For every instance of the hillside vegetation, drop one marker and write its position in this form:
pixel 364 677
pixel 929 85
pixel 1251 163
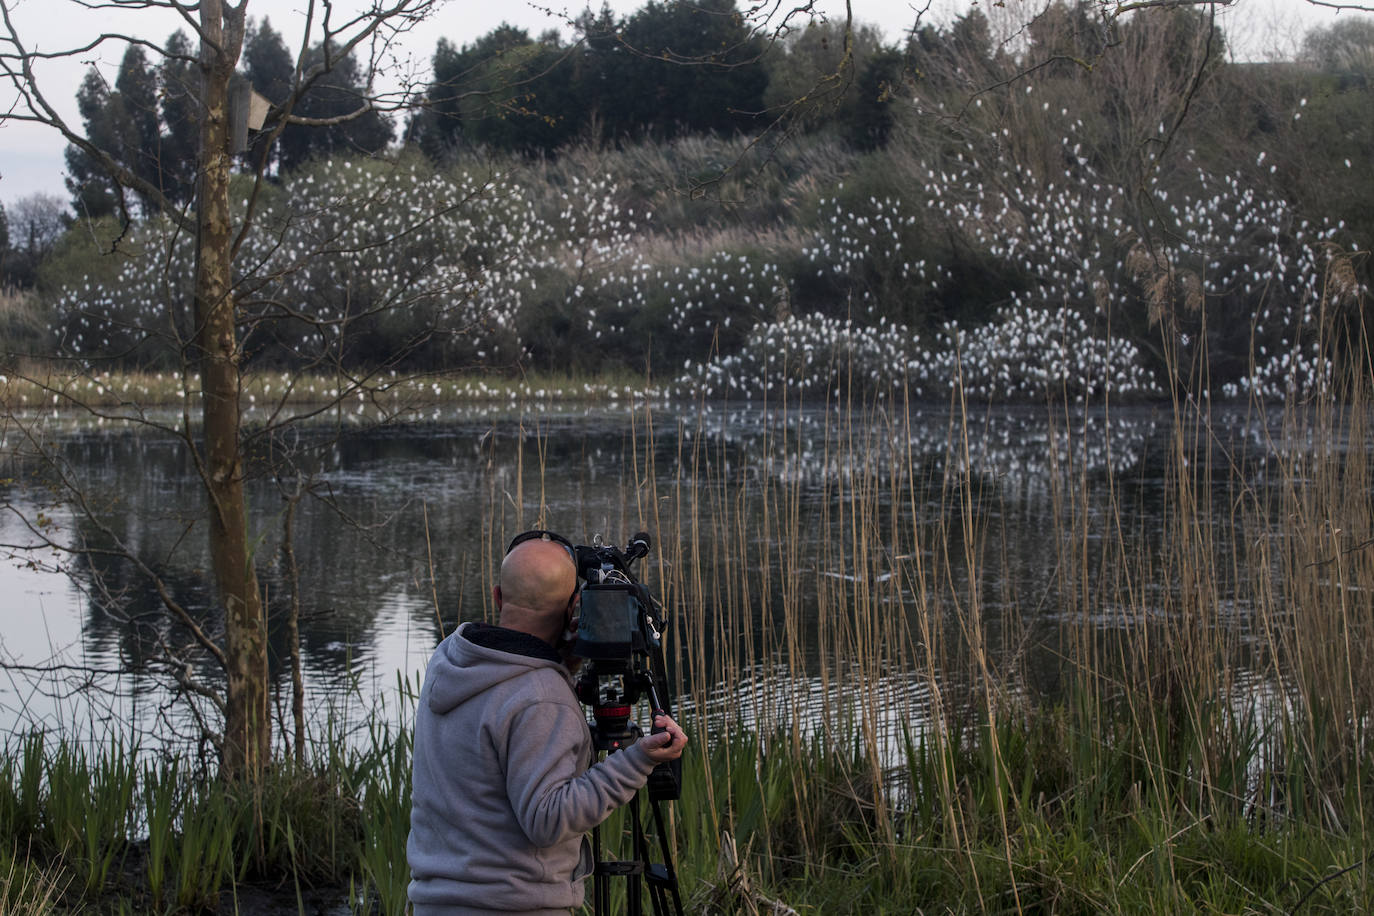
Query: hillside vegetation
pixel 1077 207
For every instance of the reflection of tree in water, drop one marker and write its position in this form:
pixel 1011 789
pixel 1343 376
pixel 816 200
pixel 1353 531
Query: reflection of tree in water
pixel 1015 445
pixel 383 505
pixel 383 502
pixel 147 524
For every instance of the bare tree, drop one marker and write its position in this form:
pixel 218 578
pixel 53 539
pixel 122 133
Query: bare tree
pixel 36 222
pixel 209 336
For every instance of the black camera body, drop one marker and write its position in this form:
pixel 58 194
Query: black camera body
pixel 610 623
pixel 619 637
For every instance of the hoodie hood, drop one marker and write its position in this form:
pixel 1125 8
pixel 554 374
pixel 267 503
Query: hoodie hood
pixel 476 657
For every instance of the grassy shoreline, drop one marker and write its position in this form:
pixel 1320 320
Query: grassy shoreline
pixel 25 390
pixel 1063 822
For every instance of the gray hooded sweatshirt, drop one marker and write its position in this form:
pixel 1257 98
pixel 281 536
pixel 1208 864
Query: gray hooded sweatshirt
pixel 502 793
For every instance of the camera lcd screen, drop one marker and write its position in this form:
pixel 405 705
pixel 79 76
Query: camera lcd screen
pixel 606 623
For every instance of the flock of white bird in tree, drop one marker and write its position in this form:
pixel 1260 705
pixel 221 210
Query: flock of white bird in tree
pixel 353 249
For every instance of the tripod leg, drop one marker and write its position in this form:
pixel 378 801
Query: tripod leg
pixel 663 878
pixel 634 901
pixel 601 882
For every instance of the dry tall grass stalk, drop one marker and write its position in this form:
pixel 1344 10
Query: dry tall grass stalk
pixel 26 890
pixel 1271 577
pixel 849 593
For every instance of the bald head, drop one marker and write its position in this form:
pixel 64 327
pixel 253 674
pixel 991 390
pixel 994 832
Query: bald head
pixel 536 583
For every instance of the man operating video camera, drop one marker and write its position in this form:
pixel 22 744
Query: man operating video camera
pixel 504 788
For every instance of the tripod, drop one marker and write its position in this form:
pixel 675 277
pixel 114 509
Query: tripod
pixel 612 730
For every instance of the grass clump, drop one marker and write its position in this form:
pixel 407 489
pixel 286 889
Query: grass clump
pixel 116 831
pixel 1065 817
pixel 26 889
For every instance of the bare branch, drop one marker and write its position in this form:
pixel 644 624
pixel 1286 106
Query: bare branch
pixel 363 109
pixel 1342 7
pixel 80 498
pixel 17 68
pixel 1122 8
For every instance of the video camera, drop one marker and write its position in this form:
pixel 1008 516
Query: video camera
pixel 620 637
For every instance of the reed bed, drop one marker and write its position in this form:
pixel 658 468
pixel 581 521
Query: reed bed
pixel 1178 721
pixel 1166 720
pixel 1174 719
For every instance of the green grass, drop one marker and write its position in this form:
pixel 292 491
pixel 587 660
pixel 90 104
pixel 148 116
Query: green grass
pixel 1066 820
pixel 1125 848
pixel 113 829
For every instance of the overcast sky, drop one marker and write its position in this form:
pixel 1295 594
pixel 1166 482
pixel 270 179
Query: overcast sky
pixel 31 156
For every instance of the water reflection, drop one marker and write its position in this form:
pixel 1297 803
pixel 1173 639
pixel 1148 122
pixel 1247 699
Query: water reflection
pixel 772 699
pixel 397 536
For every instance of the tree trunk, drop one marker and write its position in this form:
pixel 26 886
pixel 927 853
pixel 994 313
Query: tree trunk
pixel 247 728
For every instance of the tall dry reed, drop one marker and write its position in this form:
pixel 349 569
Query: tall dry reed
pixel 875 688
pixel 848 609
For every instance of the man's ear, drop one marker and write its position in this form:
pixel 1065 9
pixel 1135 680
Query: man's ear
pixel 496 596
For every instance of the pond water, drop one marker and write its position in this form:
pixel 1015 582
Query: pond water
pixel 752 511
